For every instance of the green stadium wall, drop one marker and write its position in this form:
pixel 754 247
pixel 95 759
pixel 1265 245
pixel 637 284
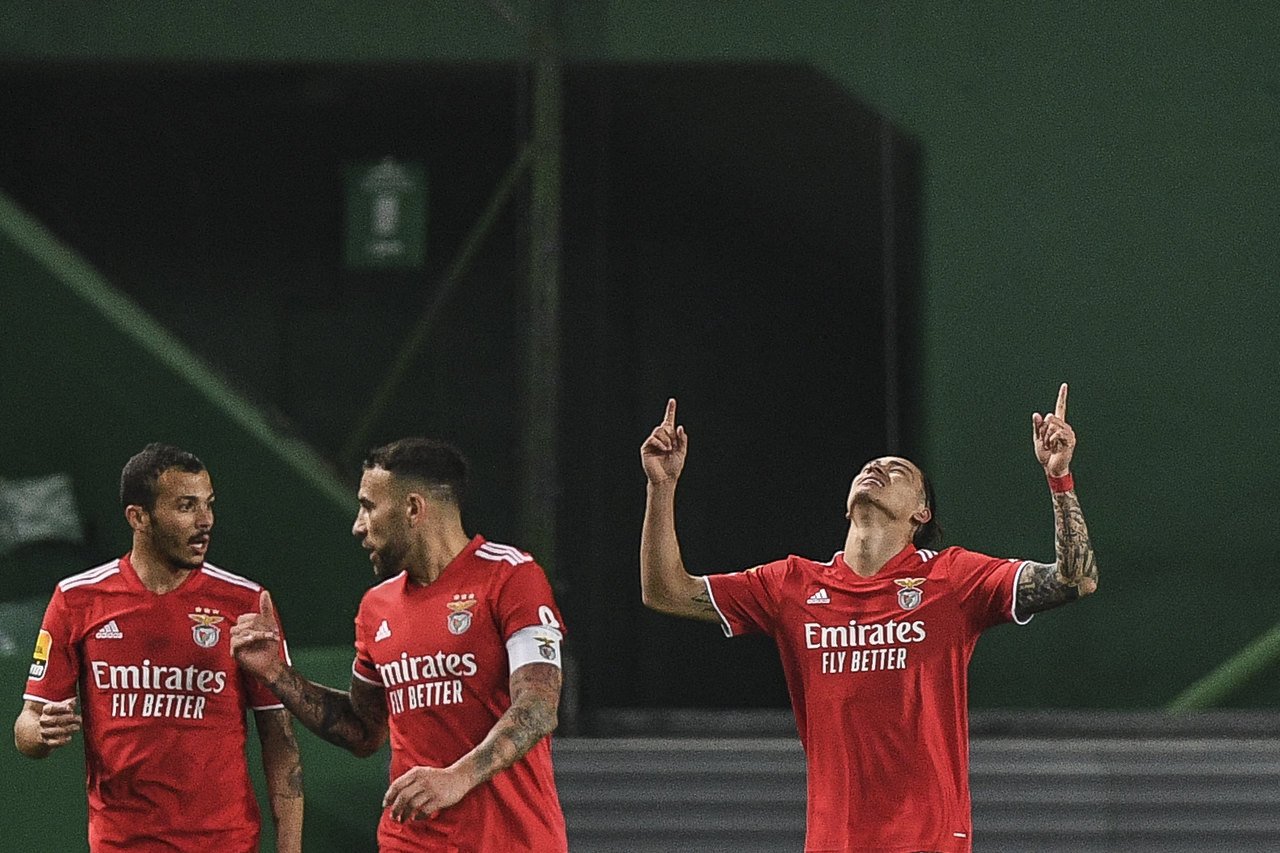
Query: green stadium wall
pixel 88 379
pixel 1099 208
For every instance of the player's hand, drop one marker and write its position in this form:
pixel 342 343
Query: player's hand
pixel 1054 439
pixel 255 638
pixel 663 452
pixel 422 791
pixel 58 722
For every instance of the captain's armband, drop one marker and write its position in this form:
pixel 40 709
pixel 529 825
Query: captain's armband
pixel 535 644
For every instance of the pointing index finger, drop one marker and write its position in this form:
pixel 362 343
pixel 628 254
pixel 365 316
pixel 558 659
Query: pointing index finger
pixel 670 418
pixel 1061 408
pixel 265 607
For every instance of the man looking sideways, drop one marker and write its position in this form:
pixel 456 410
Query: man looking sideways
pixel 457 661
pixel 143 640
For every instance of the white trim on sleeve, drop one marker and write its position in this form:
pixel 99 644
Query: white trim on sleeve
pixel 1013 607
pixel 724 623
pixel 535 644
pixel 363 678
pixel 31 697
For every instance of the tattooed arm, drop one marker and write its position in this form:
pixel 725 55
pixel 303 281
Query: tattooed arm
pixel 355 721
pixel 535 703
pixel 283 769
pixel 1043 586
pixel 1074 574
pixel 665 586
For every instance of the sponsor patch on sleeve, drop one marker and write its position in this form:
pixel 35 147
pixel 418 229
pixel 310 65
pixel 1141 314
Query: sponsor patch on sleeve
pixel 40 657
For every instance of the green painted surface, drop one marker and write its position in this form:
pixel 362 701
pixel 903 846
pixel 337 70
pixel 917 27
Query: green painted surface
pixel 243 31
pixel 1100 199
pixel 1100 208
pixel 89 380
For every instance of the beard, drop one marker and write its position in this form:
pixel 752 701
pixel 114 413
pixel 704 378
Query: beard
pixel 387 560
pixel 175 548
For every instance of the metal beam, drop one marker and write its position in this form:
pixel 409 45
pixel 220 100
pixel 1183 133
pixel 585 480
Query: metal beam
pixel 540 480
pixel 1246 665
pixel 359 437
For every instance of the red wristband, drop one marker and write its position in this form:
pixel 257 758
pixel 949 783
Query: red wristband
pixel 1058 485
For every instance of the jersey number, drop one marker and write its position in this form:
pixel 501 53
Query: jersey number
pixel 548 618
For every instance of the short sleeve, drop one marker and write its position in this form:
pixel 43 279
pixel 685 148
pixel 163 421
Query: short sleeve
pixel 986 586
pixel 55 662
pixel 747 601
pixel 260 697
pixel 363 667
pixel 524 600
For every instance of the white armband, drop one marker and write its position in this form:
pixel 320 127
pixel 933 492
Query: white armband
pixel 535 644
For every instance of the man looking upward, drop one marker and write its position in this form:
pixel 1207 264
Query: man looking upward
pixel 875 642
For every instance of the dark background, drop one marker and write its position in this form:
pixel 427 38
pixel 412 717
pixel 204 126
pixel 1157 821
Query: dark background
pixel 1079 193
pixel 724 227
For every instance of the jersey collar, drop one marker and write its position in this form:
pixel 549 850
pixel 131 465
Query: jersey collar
pixel 897 563
pixel 449 570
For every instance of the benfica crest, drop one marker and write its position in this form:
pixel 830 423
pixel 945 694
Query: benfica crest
pixel 909 596
pixel 460 613
pixel 206 631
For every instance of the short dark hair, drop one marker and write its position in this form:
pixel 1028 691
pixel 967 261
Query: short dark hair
pixel 929 534
pixel 138 479
pixel 439 466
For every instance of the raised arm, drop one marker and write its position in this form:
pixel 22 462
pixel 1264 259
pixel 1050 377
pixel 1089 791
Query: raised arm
pixel 355 720
pixel 283 768
pixel 665 585
pixel 535 703
pixel 1074 573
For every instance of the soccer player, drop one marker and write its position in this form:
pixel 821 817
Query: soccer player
pixel 875 642
pixel 457 658
pixel 161 700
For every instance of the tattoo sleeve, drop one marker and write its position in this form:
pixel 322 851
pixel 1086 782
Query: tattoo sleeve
pixel 1043 586
pixel 535 702
pixel 355 721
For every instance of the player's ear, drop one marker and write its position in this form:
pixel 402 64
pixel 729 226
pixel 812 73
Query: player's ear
pixel 922 515
pixel 415 507
pixel 136 516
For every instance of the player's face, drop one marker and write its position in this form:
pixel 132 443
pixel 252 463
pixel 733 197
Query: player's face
pixel 382 524
pixel 891 483
pixel 179 524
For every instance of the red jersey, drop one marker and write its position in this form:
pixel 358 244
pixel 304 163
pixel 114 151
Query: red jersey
pixel 439 651
pixel 877 669
pixel 163 703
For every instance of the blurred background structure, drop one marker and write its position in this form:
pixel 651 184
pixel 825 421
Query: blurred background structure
pixel 279 234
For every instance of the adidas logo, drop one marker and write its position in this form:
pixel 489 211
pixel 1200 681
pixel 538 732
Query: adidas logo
pixel 109 631
pixel 384 631
pixel 819 597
